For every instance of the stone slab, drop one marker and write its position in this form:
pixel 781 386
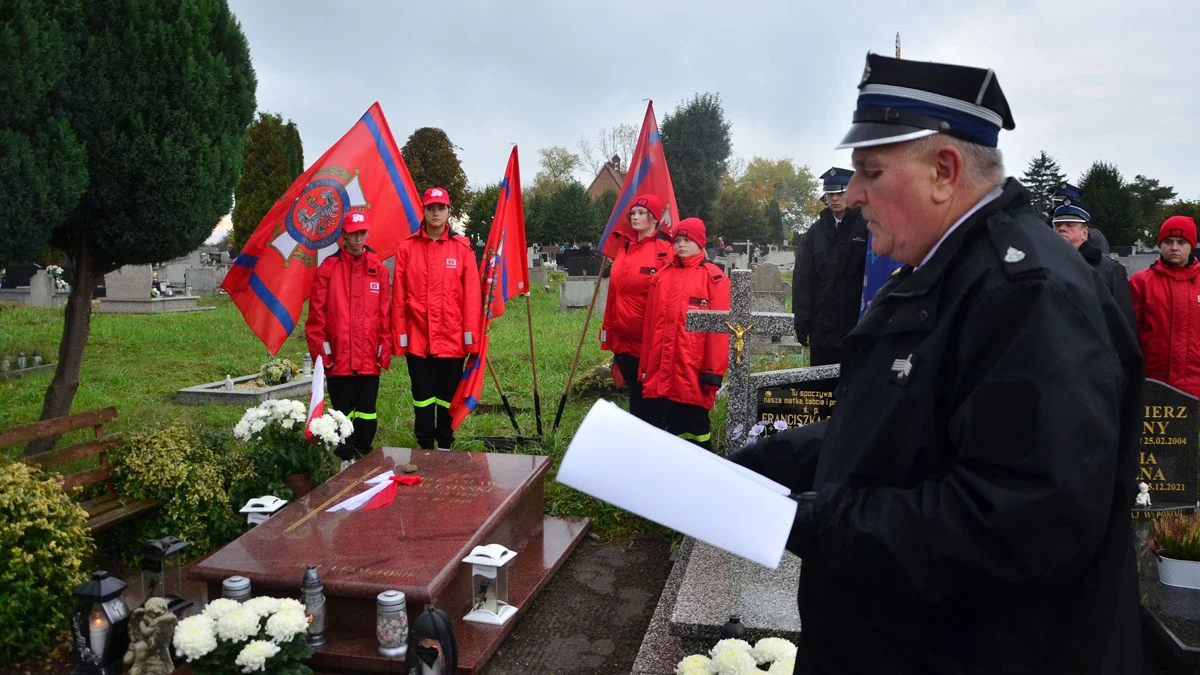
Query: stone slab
pixel 22 372
pixel 577 292
pixel 129 282
pixel 718 584
pixel 1161 608
pixel 1167 457
pixel 661 651
pixel 215 392
pixel 205 280
pixel 159 305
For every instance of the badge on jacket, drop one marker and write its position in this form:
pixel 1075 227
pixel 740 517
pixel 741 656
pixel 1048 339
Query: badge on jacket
pixel 452 262
pixel 902 370
pixel 374 286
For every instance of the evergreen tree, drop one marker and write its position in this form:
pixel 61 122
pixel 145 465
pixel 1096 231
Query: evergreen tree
pixel 481 212
pixel 739 217
pixel 697 144
pixel 775 223
pixel 1042 177
pixel 1113 206
pixel 1150 197
pixel 433 162
pixel 562 213
pixel 272 159
pixel 161 95
pixel 604 206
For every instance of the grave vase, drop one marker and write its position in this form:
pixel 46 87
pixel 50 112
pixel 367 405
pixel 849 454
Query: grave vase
pixel 1179 573
pixel 300 483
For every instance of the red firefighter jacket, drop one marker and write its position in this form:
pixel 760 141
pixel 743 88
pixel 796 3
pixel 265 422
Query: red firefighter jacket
pixel 676 364
pixel 436 303
pixel 349 315
pixel 635 266
pixel 1167 302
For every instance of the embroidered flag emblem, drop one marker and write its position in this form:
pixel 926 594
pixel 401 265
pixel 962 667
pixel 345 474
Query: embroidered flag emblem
pixel 902 367
pixel 1014 255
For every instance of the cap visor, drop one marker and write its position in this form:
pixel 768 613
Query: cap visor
pixel 835 189
pixel 868 134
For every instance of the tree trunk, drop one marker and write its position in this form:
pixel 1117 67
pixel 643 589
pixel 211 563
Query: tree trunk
pixel 77 325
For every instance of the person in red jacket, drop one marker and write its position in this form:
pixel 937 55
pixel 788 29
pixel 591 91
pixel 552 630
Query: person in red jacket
pixel 436 309
pixel 1166 297
pixel 682 370
pixel 638 260
pixel 349 326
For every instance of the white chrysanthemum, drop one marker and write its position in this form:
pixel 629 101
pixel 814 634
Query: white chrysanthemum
pixel 237 625
pixel 696 664
pixel 220 607
pixel 287 423
pixel 770 650
pixel 286 624
pixel 784 667
pixel 262 606
pixel 194 637
pixel 288 605
pixel 257 426
pixel 242 431
pixel 255 654
pixel 733 662
pixel 729 644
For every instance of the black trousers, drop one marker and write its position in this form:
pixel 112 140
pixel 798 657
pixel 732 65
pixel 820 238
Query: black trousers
pixel 628 365
pixel 434 380
pixel 689 422
pixel 824 356
pixel 354 396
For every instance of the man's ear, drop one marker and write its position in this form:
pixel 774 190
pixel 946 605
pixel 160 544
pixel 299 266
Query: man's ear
pixel 948 167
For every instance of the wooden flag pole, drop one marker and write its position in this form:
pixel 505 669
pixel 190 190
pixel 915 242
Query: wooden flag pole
pixel 503 398
pixel 562 403
pixel 537 397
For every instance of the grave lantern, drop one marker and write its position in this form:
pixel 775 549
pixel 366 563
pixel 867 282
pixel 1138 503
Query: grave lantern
pixel 161 562
pixel 257 510
pixel 100 626
pixel 489 584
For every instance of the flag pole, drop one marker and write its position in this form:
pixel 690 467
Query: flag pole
pixel 562 403
pixel 503 398
pixel 537 397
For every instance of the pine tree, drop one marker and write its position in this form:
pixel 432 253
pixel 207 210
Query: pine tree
pixel 433 162
pixel 272 159
pixel 1113 205
pixel 1042 177
pixel 1151 198
pixel 697 145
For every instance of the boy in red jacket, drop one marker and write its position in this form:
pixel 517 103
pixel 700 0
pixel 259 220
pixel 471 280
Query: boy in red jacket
pixel 1166 299
pixel 436 309
pixel 681 370
pixel 349 325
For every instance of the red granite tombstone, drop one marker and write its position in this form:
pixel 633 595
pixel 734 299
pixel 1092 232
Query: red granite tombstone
pixel 414 545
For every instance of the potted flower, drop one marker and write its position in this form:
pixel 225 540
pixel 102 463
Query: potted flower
pixel 731 656
pixel 1176 543
pixel 263 635
pixel 276 371
pixel 278 447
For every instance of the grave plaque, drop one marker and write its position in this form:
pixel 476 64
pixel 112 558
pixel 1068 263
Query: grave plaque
pixel 1167 456
pixel 798 404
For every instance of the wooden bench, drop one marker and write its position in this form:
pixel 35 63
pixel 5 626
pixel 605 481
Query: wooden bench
pixel 103 511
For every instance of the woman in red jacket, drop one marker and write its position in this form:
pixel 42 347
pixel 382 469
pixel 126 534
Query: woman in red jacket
pixel 1166 297
pixel 349 326
pixel 436 308
pixel 682 370
pixel 638 260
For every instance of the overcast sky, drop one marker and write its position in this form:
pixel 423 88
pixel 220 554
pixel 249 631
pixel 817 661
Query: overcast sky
pixel 1114 81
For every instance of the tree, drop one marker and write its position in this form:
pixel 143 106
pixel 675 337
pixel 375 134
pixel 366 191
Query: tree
pixel 1114 209
pixel 619 140
pixel 562 213
pixel 43 165
pixel 1150 198
pixel 775 225
pixel 272 159
pixel 481 211
pixel 558 168
pixel 433 162
pixel 604 205
pixel 793 188
pixel 739 217
pixel 1042 177
pixel 161 95
pixel 696 142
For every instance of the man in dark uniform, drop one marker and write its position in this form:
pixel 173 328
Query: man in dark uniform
pixel 1069 195
pixel 1071 223
pixel 827 280
pixel 965 509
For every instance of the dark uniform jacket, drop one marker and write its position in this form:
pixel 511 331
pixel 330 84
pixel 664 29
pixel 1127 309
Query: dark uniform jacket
pixel 974 483
pixel 1114 275
pixel 827 281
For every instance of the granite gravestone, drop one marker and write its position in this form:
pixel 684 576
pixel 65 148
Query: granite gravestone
pixel 1167 458
pixel 798 404
pixel 770 293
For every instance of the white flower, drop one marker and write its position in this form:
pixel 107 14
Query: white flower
pixel 286 624
pixel 288 605
pixel 729 644
pixel 194 637
pixel 757 430
pixel 696 664
pixel 220 607
pixel 287 423
pixel 784 667
pixel 255 654
pixel 237 625
pixel 780 425
pixel 733 662
pixel 262 606
pixel 770 650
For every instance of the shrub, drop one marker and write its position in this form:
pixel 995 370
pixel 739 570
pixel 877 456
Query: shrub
pixel 44 540
pixel 1177 535
pixel 192 475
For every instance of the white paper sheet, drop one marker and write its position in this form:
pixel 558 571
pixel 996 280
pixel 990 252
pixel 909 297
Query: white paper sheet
pixel 637 467
pixel 379 482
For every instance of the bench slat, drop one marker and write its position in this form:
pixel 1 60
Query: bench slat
pixel 119 515
pixel 106 502
pixel 74 452
pixel 86 478
pixel 56 427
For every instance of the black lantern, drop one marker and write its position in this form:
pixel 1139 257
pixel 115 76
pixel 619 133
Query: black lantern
pixel 99 626
pixel 161 561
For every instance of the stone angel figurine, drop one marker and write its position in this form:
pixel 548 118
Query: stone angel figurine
pixel 1143 498
pixel 153 625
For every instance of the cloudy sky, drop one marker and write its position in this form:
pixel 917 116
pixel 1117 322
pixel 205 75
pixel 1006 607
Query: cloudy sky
pixel 1115 81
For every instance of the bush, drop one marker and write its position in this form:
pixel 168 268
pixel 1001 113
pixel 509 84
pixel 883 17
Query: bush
pixel 44 540
pixel 1177 535
pixel 193 476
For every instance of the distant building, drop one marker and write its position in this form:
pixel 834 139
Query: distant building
pixel 611 177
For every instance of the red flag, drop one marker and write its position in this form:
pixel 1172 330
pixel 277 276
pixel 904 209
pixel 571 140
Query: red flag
pixel 647 173
pixel 271 279
pixel 503 274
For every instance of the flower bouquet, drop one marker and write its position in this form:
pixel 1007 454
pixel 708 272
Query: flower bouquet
pixel 55 272
pixel 774 656
pixel 261 635
pixel 273 432
pixel 276 371
pixel 764 429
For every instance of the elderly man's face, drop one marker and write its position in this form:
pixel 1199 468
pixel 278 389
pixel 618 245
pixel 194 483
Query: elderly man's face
pixel 895 195
pixel 1074 233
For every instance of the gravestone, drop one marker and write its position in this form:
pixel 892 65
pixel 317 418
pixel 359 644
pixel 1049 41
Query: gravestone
pixel 799 402
pixel 176 270
pixel 770 293
pixel 1167 454
pixel 577 292
pixel 205 280
pixel 414 545
pixel 19 275
pixel 127 291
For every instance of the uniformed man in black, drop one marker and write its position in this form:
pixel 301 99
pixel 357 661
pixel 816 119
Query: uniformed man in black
pixel 1069 195
pixel 827 280
pixel 966 507
pixel 1071 223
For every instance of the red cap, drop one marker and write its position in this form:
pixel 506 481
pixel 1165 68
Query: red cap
pixel 436 195
pixel 354 221
pixel 651 202
pixel 1178 226
pixel 692 228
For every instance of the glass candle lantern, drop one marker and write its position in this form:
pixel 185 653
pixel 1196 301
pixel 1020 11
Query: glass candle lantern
pixel 259 509
pixel 312 593
pixel 162 571
pixel 489 584
pixel 99 626
pixel 391 624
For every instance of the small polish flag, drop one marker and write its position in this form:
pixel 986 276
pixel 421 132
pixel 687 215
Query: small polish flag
pixel 316 402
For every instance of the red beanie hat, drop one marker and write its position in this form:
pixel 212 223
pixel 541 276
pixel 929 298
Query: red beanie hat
pixel 1178 226
pixel 692 228
pixel 651 202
